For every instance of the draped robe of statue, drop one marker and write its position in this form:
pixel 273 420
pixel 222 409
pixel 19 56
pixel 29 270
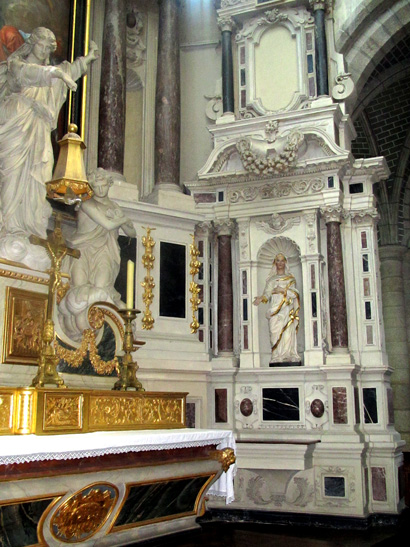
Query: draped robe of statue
pixel 283 317
pixel 30 101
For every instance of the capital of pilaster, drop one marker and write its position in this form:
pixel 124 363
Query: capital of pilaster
pixel 321 4
pixel 204 229
pixel 332 213
pixel 225 22
pixel 225 227
pixel 364 216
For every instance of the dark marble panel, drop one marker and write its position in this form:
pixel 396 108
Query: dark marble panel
pixel 370 405
pixel 335 487
pixel 172 280
pixel 390 407
pixel 128 251
pixel 379 484
pixel 281 404
pixel 18 523
pixel 221 406
pixel 190 415
pixel 106 350
pixel 339 395
pixel 146 502
pixel 357 405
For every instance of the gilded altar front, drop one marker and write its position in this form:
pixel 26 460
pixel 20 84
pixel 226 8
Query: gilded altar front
pixel 54 411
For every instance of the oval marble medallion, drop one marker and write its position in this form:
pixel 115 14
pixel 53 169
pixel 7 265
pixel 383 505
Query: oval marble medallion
pixel 317 408
pixel 246 407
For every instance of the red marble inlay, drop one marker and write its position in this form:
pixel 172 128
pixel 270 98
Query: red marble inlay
pixel 379 484
pixel 339 405
pixel 99 463
pixel 221 405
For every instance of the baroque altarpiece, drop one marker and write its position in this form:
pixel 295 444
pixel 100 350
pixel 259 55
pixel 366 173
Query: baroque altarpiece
pixel 256 258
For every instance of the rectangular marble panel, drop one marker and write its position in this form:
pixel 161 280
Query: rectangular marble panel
pixel 335 487
pixel 339 395
pixel 190 415
pixel 172 280
pixel 281 404
pixel 390 407
pixel 160 501
pixel 18 522
pixel 370 405
pixel 379 488
pixel 357 405
pixel 221 406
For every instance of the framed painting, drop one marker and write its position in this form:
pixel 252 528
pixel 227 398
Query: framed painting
pixel 69 20
pixel 25 312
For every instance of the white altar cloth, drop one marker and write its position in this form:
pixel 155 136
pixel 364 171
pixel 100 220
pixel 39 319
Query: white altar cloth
pixel 30 448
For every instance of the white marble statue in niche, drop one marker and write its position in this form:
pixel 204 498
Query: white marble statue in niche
pixel 32 93
pixel 93 275
pixel 283 314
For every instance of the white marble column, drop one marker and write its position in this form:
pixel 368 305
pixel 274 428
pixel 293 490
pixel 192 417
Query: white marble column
pixel 395 328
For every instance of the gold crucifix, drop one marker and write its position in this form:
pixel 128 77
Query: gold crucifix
pixel 56 250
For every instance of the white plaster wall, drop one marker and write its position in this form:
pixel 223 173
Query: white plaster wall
pixel 200 69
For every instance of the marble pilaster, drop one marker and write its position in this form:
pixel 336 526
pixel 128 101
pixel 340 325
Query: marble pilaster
pixel 111 133
pixel 225 286
pixel 226 25
pixel 395 328
pixel 337 293
pixel 167 102
pixel 319 7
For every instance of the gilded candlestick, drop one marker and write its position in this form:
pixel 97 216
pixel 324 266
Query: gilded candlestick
pixel 129 367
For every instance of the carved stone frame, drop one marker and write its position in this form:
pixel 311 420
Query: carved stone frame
pixel 298 22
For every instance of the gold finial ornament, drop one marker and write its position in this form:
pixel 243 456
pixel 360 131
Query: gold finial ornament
pixel 194 266
pixel 56 250
pixel 148 283
pixel 69 183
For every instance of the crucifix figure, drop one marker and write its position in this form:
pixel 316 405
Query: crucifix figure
pixel 56 250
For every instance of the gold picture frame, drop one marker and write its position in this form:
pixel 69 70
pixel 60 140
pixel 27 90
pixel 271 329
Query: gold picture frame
pixel 24 316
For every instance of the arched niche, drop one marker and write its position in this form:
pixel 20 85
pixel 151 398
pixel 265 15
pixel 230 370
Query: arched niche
pixel 265 257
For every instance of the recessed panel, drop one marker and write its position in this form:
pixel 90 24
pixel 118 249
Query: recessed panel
pixel 276 70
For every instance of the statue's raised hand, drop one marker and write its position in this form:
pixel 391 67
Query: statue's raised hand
pixel 92 52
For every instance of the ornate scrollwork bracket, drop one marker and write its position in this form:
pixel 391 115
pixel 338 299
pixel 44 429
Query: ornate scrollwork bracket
pixel 226 457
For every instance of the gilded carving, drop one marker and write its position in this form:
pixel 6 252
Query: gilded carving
pixel 75 357
pixel 84 513
pixel 226 457
pixel 23 277
pixel 96 317
pixel 148 283
pixel 6 407
pixel 62 411
pixel 128 411
pixel 25 314
pixel 194 266
pixel 26 411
